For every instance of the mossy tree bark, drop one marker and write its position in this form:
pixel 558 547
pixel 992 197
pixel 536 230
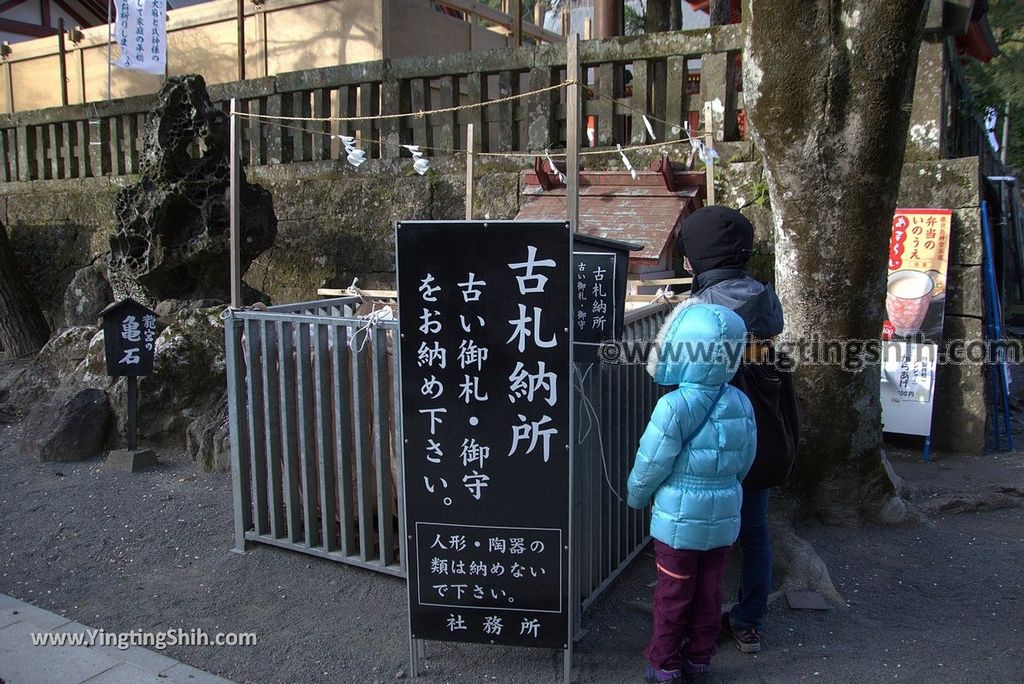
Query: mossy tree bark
pixel 827 86
pixel 23 330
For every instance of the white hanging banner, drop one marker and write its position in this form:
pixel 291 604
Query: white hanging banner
pixel 141 33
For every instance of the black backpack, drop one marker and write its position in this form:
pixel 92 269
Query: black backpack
pixel 777 414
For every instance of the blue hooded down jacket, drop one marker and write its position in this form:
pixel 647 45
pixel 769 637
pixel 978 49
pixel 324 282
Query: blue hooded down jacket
pixel 696 485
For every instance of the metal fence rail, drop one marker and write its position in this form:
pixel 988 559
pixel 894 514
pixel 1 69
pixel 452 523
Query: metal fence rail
pixel 612 411
pixel 316 441
pixel 314 457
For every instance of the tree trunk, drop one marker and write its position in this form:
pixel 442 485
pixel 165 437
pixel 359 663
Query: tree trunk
pixel 23 330
pixel 827 85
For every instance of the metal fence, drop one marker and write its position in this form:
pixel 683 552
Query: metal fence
pixel 313 425
pixel 316 440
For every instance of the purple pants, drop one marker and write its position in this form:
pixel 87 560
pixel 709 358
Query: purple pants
pixel 687 605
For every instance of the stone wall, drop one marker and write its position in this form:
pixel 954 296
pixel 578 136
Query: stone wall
pixel 335 223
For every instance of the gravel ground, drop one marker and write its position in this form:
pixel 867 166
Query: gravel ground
pixel 937 603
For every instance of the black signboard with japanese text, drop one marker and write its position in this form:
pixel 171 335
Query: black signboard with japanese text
pixel 599 294
pixel 129 337
pixel 486 403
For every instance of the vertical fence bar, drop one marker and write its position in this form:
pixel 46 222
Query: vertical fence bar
pixel 399 432
pixel 361 446
pixel 289 438
pixel 272 421
pixel 254 366
pixel 343 434
pixel 322 110
pixel 383 456
pixel 325 396
pixel 240 476
pixel 449 127
pixel 307 445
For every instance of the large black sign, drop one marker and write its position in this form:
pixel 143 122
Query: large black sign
pixel 485 361
pixel 129 337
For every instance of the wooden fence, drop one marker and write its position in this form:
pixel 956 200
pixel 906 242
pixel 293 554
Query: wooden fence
pixel 105 138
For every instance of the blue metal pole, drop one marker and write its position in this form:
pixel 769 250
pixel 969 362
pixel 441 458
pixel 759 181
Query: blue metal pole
pixel 989 280
pixel 997 323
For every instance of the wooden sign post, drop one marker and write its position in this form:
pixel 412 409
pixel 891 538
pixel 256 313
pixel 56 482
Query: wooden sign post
pixel 129 337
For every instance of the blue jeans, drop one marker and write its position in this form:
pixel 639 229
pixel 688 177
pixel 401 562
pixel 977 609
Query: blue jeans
pixel 756 572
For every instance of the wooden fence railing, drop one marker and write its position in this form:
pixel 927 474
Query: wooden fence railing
pixel 105 138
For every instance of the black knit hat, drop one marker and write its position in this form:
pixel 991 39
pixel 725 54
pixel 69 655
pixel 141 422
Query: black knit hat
pixel 716 237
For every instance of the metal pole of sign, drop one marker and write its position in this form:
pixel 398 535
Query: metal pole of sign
pixel 133 403
pixel 235 201
pixel 470 150
pixel 572 200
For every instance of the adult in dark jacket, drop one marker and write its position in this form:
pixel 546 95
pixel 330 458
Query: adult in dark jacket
pixel 717 243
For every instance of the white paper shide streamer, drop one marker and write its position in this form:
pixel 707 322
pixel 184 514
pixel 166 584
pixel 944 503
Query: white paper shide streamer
pixel 355 156
pixel 141 34
pixel 625 162
pixel 561 176
pixel 420 164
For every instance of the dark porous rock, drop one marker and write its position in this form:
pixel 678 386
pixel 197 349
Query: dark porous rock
pixel 207 439
pixel 172 234
pixel 68 428
pixel 86 296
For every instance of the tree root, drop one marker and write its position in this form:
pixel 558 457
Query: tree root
pixel 796 561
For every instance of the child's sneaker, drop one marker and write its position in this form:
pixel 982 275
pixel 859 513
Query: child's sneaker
pixel 747 640
pixel 695 674
pixel 653 675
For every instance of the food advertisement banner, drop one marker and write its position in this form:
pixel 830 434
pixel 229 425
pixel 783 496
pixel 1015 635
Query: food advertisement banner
pixel 915 304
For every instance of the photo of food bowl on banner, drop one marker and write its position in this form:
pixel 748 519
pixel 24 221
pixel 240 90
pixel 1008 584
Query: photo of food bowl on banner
pixel 915 304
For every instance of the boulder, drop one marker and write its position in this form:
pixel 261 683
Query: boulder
pixel 68 428
pixel 207 440
pixel 66 350
pixel 86 296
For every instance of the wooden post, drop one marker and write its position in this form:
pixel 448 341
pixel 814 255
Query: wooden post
pixel 9 87
pixel 709 142
pixel 241 39
pixel 572 134
pixel 133 410
pixel 517 23
pixel 470 149
pixel 61 48
pixel 538 13
pixel 235 181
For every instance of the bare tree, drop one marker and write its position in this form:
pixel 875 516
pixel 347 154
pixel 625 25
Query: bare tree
pixel 827 85
pixel 23 330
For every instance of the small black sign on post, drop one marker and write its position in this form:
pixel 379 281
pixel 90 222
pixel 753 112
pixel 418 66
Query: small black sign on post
pixel 599 269
pixel 129 337
pixel 486 363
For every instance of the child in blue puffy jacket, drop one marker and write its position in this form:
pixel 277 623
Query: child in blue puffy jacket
pixel 696 450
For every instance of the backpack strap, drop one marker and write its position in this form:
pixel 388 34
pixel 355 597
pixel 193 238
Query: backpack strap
pixel 711 409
